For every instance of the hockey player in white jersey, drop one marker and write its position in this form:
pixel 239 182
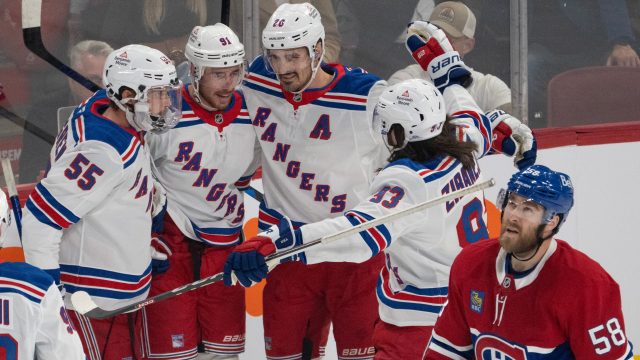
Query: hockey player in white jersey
pixel 33 322
pixel 203 163
pixel 88 222
pixel 319 155
pixel 428 160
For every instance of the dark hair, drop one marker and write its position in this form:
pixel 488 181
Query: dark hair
pixel 444 144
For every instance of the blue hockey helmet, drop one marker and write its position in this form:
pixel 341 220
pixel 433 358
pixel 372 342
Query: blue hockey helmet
pixel 551 189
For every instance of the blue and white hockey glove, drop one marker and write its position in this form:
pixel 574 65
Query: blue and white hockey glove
pixel 160 252
pixel 247 260
pixel 512 137
pixel 431 49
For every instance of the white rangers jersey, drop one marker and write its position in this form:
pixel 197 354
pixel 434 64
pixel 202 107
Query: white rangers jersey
pixel 203 163
pixel 319 150
pixel 33 321
pixel 89 219
pixel 420 248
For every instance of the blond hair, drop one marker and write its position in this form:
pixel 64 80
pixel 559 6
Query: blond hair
pixel 154 11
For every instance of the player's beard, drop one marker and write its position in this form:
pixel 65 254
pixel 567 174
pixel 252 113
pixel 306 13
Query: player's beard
pixel 523 243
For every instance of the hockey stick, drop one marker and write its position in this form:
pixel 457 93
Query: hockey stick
pixel 13 194
pixel 32 35
pixel 254 193
pixel 84 305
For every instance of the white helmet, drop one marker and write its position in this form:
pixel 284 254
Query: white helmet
pixel 414 104
pixel 5 216
pixel 292 26
pixel 215 46
pixel 143 70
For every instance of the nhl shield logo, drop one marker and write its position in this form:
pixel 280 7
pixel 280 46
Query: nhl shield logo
pixel 297 97
pixel 477 301
pixel 218 119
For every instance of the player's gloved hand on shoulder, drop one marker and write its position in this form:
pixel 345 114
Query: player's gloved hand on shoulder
pixel 247 261
pixel 512 137
pixel 431 49
pixel 160 252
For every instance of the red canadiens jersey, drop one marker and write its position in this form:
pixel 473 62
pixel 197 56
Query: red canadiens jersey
pixel 567 307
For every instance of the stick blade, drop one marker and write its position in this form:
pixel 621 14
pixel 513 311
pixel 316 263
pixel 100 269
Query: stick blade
pixel 82 302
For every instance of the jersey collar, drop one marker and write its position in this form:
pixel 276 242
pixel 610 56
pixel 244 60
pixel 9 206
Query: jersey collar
pixel 310 95
pixel 97 108
pixel 218 118
pixel 507 280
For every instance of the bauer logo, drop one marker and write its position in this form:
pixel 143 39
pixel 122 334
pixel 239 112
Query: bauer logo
pixel 444 63
pixel 477 300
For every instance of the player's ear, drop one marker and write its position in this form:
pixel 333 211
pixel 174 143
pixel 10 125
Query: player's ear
pixel 317 54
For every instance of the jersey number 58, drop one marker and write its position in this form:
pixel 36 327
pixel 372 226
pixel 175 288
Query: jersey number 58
pixel 601 339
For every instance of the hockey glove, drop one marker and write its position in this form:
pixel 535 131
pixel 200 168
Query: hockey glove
pixel 160 252
pixel 247 260
pixel 512 137
pixel 431 49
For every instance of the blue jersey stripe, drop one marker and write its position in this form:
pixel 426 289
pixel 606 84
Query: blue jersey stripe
pixel 404 305
pixel 187 123
pixel 104 274
pixel 40 215
pixel 266 90
pixel 107 293
pixel 338 105
pixel 133 157
pixel 21 293
pixel 56 205
pixel 371 243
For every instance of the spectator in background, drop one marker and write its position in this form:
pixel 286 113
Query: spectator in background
pixel 87 58
pixel 268 7
pixel 369 29
pixel 459 23
pixel 569 34
pixel 160 24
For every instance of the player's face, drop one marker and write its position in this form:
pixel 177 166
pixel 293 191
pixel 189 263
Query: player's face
pixel 161 98
pixel 520 221
pixel 217 85
pixel 293 67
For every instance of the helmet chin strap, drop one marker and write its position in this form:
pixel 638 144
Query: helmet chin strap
pixel 538 244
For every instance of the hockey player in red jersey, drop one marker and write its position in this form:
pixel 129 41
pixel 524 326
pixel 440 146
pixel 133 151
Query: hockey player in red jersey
pixel 35 324
pixel 203 163
pixel 527 294
pixel 88 222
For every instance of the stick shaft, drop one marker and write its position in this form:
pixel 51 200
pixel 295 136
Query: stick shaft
pixel 13 194
pixel 381 220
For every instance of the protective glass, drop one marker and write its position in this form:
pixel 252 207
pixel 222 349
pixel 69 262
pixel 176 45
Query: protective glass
pixel 219 77
pixel 286 61
pixel 164 106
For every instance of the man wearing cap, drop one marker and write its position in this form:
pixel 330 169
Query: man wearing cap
pixel 459 23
